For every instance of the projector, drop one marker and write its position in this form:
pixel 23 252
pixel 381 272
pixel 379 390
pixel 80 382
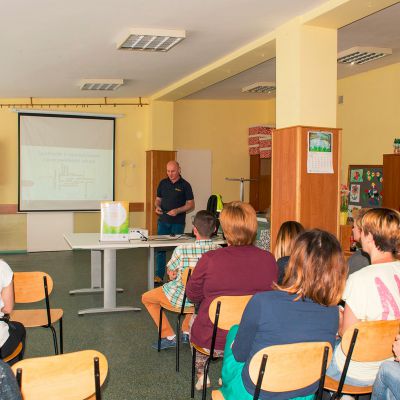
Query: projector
pixel 138 234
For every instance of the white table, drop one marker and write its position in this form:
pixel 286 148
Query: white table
pixel 104 254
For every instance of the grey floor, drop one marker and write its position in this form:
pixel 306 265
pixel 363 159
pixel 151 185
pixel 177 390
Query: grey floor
pixel 136 371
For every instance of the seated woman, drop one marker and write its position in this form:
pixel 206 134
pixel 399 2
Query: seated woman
pixel 238 269
pixel 12 333
pixel 387 383
pixel 285 239
pixel 302 309
pixel 372 293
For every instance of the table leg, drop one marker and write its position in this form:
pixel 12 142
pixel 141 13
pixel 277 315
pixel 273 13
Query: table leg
pixel 95 275
pixel 110 278
pixel 150 269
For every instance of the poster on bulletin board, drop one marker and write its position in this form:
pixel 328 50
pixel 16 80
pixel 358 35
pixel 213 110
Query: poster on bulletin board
pixel 365 183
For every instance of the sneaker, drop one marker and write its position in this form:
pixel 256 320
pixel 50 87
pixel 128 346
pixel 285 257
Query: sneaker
pixel 199 383
pixel 185 338
pixel 165 344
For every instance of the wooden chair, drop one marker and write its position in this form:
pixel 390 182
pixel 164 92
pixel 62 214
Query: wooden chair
pixel 224 312
pixel 363 342
pixel 290 367
pixel 31 287
pixel 69 376
pixel 180 311
pixel 15 353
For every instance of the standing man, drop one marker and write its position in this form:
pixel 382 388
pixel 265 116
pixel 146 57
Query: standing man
pixel 174 199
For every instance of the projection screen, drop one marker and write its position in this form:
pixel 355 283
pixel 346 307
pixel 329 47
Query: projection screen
pixel 66 162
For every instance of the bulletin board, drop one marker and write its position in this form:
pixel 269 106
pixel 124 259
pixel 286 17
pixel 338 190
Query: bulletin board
pixel 365 183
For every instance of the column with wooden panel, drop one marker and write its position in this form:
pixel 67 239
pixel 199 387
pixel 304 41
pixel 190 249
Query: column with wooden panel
pixel 156 164
pixel 311 199
pixel 391 181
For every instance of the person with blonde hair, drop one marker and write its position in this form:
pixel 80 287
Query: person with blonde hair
pixel 238 269
pixel 302 309
pixel 360 258
pixel 372 293
pixel 285 239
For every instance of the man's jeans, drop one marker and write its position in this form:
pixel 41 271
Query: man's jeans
pixel 387 383
pixel 163 228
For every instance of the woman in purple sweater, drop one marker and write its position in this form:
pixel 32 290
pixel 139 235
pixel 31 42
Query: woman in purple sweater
pixel 239 269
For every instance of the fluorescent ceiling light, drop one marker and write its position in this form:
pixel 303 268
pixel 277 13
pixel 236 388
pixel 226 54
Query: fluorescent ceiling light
pixel 151 39
pixel 101 84
pixel 260 87
pixel 362 55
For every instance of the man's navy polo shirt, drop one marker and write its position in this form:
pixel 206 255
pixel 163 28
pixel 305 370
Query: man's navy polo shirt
pixel 174 195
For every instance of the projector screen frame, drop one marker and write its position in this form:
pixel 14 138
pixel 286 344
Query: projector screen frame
pixel 59 115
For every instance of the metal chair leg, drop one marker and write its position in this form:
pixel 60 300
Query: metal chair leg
pixel 159 330
pixel 97 378
pixel 53 331
pixel 19 377
pixel 178 341
pixel 206 368
pixel 61 337
pixel 193 372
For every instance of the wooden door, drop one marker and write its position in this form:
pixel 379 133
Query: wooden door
pixel 391 181
pixel 156 164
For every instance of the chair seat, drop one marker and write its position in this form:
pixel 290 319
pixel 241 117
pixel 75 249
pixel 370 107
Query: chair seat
pixel 14 353
pixel 332 385
pixel 217 395
pixel 169 307
pixel 67 376
pixel 202 350
pixel 34 318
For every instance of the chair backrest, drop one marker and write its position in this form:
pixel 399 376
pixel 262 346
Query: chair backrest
pixel 231 311
pixel 185 274
pixel 290 366
pixel 29 287
pixel 66 376
pixel 374 340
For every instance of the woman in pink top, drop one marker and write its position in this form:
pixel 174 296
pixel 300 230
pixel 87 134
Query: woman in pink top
pixel 239 269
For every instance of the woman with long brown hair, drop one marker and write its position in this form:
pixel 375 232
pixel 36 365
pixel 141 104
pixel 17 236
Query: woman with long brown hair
pixel 285 239
pixel 302 309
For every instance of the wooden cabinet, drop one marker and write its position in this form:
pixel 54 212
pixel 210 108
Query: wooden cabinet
pixel 391 181
pixel 156 164
pixel 260 187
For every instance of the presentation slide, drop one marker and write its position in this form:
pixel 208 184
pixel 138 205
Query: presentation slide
pixel 66 163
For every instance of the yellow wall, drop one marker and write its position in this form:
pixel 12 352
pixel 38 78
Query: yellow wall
pixel 369 116
pixel 130 145
pixel 221 126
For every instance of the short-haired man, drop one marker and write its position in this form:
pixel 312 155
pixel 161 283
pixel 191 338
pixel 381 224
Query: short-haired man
pixel 184 256
pixel 174 199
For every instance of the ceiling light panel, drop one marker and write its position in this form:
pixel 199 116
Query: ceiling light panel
pixel 152 40
pixel 260 87
pixel 101 84
pixel 362 55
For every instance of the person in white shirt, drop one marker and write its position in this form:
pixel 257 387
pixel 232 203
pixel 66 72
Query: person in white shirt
pixel 372 293
pixel 11 333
